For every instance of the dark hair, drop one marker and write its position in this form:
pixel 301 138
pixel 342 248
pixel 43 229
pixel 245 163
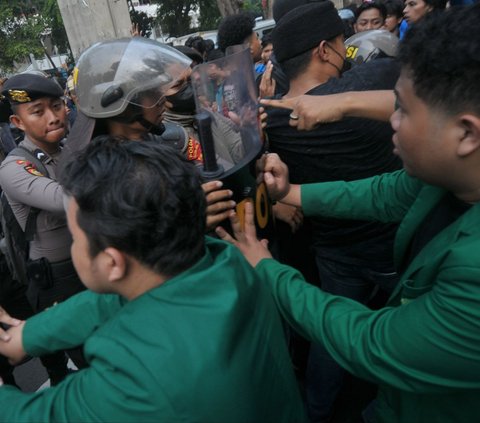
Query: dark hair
pixel 197 43
pixel 266 40
pixel 442 54
pixel 371 5
pixel 142 198
pixel 437 4
pixel 235 29
pixel 296 65
pixel 214 54
pixel 394 7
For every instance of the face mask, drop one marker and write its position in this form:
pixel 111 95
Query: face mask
pixel 183 101
pixel 346 64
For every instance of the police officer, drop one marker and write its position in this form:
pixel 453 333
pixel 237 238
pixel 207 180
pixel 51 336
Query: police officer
pixel 39 111
pixel 122 87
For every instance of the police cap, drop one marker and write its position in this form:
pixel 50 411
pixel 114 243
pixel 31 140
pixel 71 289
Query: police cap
pixel 26 87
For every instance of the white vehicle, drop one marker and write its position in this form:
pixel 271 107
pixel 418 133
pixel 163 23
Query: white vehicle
pixel 264 27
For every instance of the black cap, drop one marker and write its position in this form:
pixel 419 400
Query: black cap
pixel 305 27
pixel 26 87
pixel 282 7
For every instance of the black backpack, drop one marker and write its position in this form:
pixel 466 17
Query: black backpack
pixel 14 242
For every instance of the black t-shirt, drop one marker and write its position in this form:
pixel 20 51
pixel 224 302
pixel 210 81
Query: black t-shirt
pixel 347 150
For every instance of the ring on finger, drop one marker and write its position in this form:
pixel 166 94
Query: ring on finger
pixel 293 116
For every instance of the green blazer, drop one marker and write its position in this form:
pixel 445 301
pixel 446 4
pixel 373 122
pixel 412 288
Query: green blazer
pixel 205 346
pixel 423 349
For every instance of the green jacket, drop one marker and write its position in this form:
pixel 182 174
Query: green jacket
pixel 423 349
pixel 206 346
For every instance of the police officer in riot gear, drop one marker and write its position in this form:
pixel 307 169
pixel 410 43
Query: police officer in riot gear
pixel 122 87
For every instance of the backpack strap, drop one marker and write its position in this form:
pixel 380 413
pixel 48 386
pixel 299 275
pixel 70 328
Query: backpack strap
pixel 36 157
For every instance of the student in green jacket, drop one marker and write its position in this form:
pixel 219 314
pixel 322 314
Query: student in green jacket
pixel 423 348
pixel 176 327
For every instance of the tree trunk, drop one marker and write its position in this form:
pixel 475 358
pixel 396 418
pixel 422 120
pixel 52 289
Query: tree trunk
pixel 229 7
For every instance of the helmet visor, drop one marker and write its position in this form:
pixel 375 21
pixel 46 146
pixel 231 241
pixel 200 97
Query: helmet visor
pixel 113 74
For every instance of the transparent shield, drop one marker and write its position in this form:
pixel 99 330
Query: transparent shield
pixel 225 90
pixel 112 74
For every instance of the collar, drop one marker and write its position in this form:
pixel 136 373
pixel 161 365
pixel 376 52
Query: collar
pixel 39 153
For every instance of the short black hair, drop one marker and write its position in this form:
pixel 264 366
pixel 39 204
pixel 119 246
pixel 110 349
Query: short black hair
pixel 196 42
pixel 234 30
pixel 142 198
pixel 394 8
pixel 442 54
pixel 437 4
pixel 296 65
pixel 266 40
pixel 371 5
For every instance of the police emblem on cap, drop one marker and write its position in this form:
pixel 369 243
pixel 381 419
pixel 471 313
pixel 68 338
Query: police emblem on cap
pixel 20 96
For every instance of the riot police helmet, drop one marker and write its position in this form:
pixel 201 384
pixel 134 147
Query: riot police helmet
pixel 111 75
pixel 369 45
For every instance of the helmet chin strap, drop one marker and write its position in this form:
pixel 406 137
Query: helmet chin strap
pixel 150 127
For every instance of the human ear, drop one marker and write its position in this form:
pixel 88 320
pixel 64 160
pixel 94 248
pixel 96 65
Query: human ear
pixel 17 121
pixel 469 134
pixel 115 263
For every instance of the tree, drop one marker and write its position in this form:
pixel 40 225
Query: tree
pixel 142 22
pixel 23 27
pixel 173 16
pixel 19 36
pixel 229 7
pixel 209 15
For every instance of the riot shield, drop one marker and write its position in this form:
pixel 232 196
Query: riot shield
pixel 229 131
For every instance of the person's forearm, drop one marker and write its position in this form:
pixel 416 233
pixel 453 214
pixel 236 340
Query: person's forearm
pixel 293 198
pixel 377 105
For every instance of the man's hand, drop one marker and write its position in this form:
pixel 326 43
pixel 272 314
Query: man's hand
pixel 8 320
pixel 289 214
pixel 267 83
pixel 275 175
pixel 219 203
pixel 246 239
pixel 13 348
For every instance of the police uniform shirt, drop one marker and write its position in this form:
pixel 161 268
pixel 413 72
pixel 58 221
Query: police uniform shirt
pixel 26 187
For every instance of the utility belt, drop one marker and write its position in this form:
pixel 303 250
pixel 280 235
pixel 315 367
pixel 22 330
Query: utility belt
pixel 43 273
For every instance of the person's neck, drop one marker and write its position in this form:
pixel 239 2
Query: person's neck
pixel 139 281
pixel 470 197
pixel 47 147
pixel 307 81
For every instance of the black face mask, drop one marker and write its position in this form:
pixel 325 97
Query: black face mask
pixel 346 64
pixel 183 101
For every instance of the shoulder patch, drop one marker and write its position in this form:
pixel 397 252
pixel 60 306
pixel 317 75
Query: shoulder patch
pixel 29 167
pixel 194 150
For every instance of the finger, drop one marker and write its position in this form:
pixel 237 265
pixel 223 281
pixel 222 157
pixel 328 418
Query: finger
pixel 237 227
pixel 7 319
pixel 220 207
pixel 215 219
pixel 223 234
pixel 285 103
pixel 250 230
pixel 215 197
pixel 211 186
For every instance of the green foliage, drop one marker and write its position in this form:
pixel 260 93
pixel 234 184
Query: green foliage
pixel 59 35
pixel 209 15
pixel 19 36
pixel 254 6
pixel 142 21
pixel 173 16
pixel 23 24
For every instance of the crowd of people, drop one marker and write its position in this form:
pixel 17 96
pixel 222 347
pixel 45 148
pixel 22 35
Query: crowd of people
pixel 126 252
